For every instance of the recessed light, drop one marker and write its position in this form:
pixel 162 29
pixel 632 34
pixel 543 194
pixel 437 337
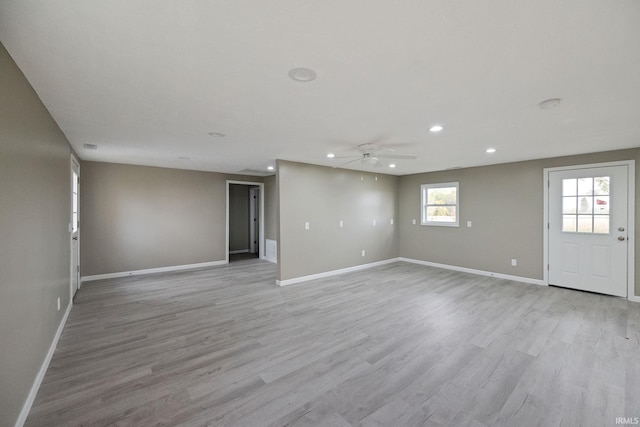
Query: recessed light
pixel 90 146
pixel 436 128
pixel 490 150
pixel 270 168
pixel 302 74
pixel 331 155
pixel 217 134
pixel 392 165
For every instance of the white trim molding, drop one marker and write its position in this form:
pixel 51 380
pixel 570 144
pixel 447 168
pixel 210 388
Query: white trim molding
pixel 154 270
pixel 31 397
pixel 631 219
pixel 334 272
pixel 474 271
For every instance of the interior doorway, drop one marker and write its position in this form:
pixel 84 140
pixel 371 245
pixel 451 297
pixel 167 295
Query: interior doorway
pixel 245 219
pixel 74 226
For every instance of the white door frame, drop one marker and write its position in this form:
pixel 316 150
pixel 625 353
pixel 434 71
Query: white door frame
pixel 253 238
pixel 75 165
pixel 631 165
pixel 261 225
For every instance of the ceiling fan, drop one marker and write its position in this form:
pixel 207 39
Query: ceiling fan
pixel 373 155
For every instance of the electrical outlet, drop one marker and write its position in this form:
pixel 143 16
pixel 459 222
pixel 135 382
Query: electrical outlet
pixel 306 225
pixel 374 222
pixel 341 224
pixel 413 221
pixel 363 252
pixel 391 221
pixel 58 303
pixel 514 262
pixel 469 224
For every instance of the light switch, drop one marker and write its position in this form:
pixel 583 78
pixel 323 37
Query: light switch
pixel 468 224
pixel 374 222
pixel 341 224
pixel 363 252
pixel 413 221
pixel 391 221
pixel 306 225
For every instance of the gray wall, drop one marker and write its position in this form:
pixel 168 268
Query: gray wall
pixel 238 217
pixel 35 211
pixel 323 196
pixel 505 204
pixel 270 208
pixel 140 217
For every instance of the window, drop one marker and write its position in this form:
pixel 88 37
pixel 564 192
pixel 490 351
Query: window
pixel 585 205
pixel 440 204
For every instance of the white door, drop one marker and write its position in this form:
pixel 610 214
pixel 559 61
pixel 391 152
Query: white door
pixel 75 227
pixel 588 229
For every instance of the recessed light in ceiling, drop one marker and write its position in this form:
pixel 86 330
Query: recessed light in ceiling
pixel 392 165
pixel 549 104
pixel 436 128
pixel 270 168
pixel 217 134
pixel 90 146
pixel 490 150
pixel 331 155
pixel 302 74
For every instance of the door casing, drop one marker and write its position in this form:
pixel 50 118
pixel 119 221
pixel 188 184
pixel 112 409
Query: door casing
pixel 630 215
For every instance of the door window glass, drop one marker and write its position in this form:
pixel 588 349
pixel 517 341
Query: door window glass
pixel 585 205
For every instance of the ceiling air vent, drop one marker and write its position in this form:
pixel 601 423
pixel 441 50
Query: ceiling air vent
pixel 90 146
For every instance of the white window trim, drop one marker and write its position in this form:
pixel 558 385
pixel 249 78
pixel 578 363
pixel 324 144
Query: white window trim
pixel 423 204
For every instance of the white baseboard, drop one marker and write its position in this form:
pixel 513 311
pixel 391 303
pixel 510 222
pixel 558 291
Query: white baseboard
pixel 634 298
pixel 43 370
pixel 334 272
pixel 239 251
pixel 474 271
pixel 153 270
pixel 273 260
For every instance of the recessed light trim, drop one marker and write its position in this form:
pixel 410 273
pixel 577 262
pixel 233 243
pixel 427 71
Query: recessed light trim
pixel 392 165
pixel 436 128
pixel 490 150
pixel 302 74
pixel 331 155
pixel 270 168
pixel 217 134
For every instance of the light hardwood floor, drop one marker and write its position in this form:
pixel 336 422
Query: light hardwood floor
pixel 396 345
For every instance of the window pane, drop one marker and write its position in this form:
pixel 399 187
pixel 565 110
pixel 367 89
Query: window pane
pixel 569 205
pixel 569 187
pixel 585 186
pixel 74 223
pixel 601 205
pixel 441 196
pixel 75 182
pixel 441 213
pixel 569 223
pixel 601 224
pixel 585 205
pixel 601 185
pixel 585 224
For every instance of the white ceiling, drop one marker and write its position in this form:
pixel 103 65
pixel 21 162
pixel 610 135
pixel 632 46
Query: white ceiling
pixel 146 81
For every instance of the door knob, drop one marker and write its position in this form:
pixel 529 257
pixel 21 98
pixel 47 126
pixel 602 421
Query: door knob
pixel 620 228
pixel 621 238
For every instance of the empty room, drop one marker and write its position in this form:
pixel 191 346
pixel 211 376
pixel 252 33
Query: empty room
pixel 242 213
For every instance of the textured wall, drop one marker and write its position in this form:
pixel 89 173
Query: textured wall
pixel 35 209
pixel 324 196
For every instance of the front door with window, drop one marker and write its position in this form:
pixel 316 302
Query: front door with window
pixel 588 229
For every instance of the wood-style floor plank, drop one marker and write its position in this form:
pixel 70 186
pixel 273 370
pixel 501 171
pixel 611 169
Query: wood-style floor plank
pixel 396 345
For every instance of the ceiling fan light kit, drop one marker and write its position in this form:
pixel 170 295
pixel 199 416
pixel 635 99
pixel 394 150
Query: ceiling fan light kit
pixel 372 155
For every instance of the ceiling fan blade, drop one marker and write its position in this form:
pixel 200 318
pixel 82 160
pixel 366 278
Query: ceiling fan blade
pixel 347 157
pixel 344 164
pixel 398 156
